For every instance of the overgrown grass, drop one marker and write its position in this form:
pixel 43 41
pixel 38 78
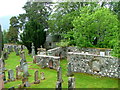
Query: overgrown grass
pixel 82 80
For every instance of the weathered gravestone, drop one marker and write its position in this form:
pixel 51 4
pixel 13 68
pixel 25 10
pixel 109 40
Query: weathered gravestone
pixel 71 83
pixel 33 50
pixel 16 50
pixel 8 49
pixel 25 70
pixel 11 75
pixel 58 85
pixel 18 72
pixel 59 74
pixel 69 73
pixel 22 55
pixel 36 78
pixel 21 64
pixel 0 41
pixel 42 76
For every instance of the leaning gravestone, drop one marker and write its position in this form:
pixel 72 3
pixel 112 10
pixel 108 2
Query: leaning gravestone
pixel 25 70
pixel 0 41
pixel 71 83
pixel 59 74
pixel 36 78
pixel 69 73
pixel 11 75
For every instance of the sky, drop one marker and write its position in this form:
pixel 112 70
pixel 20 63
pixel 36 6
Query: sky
pixel 9 8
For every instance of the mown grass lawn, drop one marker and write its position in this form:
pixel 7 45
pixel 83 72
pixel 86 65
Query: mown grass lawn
pixel 82 80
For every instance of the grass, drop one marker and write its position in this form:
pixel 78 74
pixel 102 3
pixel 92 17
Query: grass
pixel 82 80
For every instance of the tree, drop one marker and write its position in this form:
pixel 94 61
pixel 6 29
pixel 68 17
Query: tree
pixel 95 29
pixel 13 31
pixel 33 23
pixel 60 21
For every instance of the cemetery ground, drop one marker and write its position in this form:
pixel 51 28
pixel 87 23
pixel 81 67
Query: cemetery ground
pixel 82 80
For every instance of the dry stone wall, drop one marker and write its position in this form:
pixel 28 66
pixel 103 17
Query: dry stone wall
pixel 94 64
pixel 48 61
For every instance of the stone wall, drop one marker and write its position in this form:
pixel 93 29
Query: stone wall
pixel 47 61
pixel 59 51
pixel 98 51
pixel 93 64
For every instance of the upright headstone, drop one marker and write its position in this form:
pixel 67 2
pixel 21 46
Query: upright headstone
pixel 71 83
pixel 42 76
pixel 59 74
pixel 58 85
pixel 33 50
pixel 22 54
pixel 1 74
pixel 18 72
pixel 16 50
pixel 69 73
pixel 36 78
pixel 11 75
pixel 25 70
pixel 25 82
pixel 21 64
pixel 0 41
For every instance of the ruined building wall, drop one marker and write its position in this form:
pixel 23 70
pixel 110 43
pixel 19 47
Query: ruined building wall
pixel 93 64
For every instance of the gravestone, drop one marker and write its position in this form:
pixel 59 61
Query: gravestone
pixel 71 83
pixel 18 72
pixel 69 73
pixel 58 85
pixel 22 54
pixel 36 78
pixel 16 50
pixel 59 74
pixel 0 41
pixel 11 75
pixel 34 59
pixel 33 50
pixel 8 49
pixel 25 82
pixel 21 64
pixel 42 76
pixel 25 70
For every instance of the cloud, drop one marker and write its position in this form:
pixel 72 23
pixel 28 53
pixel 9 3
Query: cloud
pixel 11 7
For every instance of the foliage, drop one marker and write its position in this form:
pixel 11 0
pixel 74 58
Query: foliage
pixel 95 29
pixel 33 23
pixel 5 39
pixel 33 33
pixel 12 34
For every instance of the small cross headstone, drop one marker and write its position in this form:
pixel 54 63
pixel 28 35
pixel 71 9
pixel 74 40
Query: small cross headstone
pixel 36 78
pixel 11 75
pixel 71 83
pixel 42 76
pixel 69 70
pixel 33 50
pixel 59 74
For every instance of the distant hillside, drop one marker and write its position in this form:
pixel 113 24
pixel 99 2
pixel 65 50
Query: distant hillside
pixel 4 21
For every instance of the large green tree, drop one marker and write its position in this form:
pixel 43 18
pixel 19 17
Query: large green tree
pixel 13 31
pixel 33 23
